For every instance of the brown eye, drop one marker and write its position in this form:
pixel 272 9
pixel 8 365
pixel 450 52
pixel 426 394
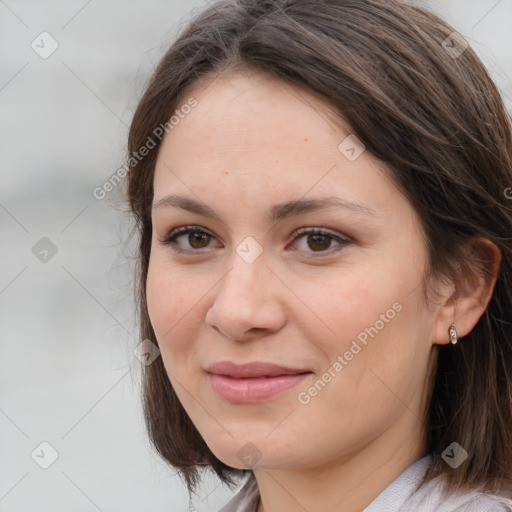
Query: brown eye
pixel 198 240
pixel 315 241
pixel 318 240
pixel 188 238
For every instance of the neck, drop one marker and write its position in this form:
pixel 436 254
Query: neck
pixel 347 484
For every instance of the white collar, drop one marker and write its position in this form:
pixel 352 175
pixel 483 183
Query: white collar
pixel 402 495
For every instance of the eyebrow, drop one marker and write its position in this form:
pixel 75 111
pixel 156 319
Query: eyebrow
pixel 276 213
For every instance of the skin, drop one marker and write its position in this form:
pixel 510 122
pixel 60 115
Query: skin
pixel 250 143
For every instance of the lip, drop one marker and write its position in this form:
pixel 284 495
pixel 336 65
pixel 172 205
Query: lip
pixel 253 369
pixel 252 382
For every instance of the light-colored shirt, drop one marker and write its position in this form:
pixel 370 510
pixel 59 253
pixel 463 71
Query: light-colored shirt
pixel 402 495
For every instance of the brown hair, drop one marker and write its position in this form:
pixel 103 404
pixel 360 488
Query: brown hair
pixel 436 120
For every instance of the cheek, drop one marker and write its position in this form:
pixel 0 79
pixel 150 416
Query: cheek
pixel 375 321
pixel 383 364
pixel 340 309
pixel 168 299
pixel 160 303
pixel 167 306
pixel 177 308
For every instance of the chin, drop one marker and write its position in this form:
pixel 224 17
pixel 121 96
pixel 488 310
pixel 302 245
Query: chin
pixel 248 452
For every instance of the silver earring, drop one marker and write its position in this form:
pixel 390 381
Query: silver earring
pixel 453 334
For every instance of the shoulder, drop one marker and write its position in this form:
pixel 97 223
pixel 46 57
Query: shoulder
pixel 432 498
pixel 246 499
pixel 407 494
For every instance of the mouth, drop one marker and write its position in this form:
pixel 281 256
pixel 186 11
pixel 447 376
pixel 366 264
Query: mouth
pixel 253 382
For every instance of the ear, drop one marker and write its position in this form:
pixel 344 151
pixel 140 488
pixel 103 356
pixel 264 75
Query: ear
pixel 471 292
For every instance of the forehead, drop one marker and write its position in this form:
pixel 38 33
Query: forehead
pixel 249 108
pixel 254 138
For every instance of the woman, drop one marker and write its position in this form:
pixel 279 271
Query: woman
pixel 325 259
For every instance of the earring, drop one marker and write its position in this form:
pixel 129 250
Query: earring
pixel 453 334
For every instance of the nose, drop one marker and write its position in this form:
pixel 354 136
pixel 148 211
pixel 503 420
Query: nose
pixel 248 302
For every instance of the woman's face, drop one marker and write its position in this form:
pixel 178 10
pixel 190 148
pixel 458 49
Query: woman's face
pixel 302 254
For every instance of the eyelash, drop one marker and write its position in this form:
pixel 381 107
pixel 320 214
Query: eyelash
pixel 299 233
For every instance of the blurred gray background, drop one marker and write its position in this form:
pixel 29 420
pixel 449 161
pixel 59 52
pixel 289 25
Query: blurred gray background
pixel 68 375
